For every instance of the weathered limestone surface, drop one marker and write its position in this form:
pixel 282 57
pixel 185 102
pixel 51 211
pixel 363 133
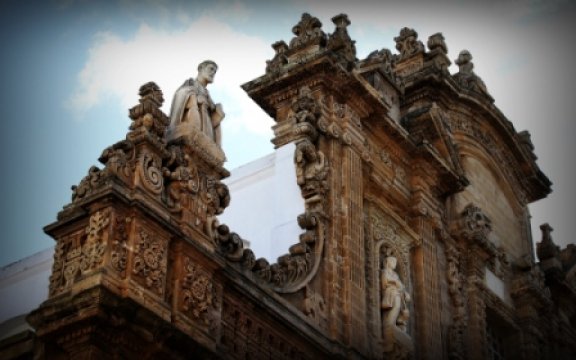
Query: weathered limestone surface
pixel 395 157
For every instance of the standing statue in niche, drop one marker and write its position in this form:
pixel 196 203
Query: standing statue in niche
pixel 395 311
pixel 193 107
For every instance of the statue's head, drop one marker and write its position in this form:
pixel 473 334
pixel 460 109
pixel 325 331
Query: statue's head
pixel 206 71
pixel 390 262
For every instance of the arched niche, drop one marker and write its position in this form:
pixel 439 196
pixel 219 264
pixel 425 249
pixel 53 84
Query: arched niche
pixel 491 190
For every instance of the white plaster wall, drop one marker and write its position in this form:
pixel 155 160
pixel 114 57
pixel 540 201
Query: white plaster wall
pixel 24 284
pixel 498 287
pixel 265 202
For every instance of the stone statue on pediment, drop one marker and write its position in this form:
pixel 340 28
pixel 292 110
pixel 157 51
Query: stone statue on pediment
pixel 193 109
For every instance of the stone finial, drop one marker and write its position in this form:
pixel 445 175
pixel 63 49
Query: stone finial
pixel 407 43
pixel 526 139
pixel 466 76
pixel 546 249
pixel 340 41
pixel 151 91
pixel 280 59
pixel 341 21
pixel 436 42
pixel 464 62
pixel 308 32
pixel 147 115
pixel 280 47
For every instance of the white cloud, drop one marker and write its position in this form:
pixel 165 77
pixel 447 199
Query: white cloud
pixel 116 68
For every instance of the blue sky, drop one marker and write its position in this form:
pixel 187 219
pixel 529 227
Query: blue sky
pixel 71 69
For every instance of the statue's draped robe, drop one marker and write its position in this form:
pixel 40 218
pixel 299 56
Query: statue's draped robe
pixel 192 104
pixel 392 289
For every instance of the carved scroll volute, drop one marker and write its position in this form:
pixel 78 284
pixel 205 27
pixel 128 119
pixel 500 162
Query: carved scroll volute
pixel 147 137
pixel 297 123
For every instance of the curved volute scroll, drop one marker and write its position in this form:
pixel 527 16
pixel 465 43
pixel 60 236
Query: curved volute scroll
pixel 296 269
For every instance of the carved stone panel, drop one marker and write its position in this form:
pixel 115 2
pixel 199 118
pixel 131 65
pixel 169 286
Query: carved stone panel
pixel 150 260
pixel 199 295
pixel 79 253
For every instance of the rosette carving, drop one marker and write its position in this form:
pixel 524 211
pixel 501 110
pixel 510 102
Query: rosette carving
pixel 150 261
pixel 198 293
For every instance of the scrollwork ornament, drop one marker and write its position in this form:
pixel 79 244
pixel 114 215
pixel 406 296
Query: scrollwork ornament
pixel 150 173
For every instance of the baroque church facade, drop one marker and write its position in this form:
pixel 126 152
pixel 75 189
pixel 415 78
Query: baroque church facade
pixel 415 242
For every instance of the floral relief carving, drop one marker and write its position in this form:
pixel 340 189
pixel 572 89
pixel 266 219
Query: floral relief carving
pixel 119 253
pixel 198 293
pixel 95 245
pixel 150 261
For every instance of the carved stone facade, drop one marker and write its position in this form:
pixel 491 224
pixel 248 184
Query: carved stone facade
pixel 393 156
